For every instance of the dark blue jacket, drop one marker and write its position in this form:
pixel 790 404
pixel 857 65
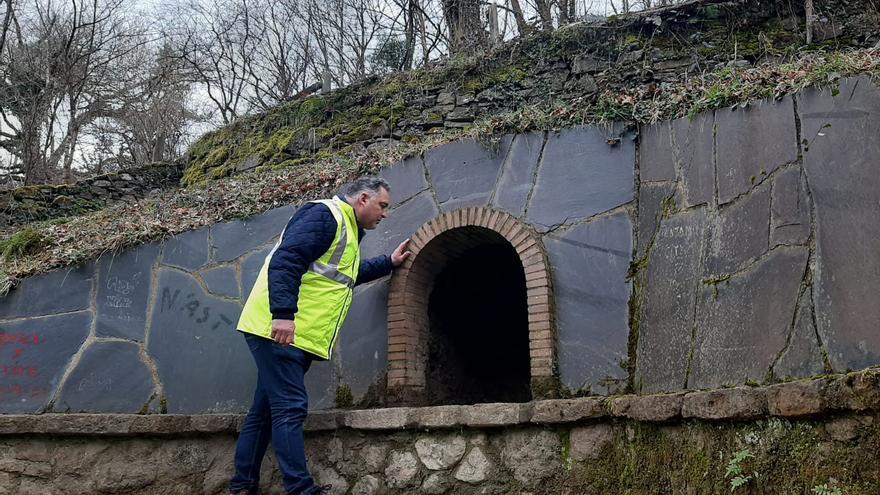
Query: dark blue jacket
pixel 308 235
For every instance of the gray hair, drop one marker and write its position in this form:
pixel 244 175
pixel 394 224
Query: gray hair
pixel 368 184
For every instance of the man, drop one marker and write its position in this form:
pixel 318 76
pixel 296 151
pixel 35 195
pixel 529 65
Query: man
pixel 292 317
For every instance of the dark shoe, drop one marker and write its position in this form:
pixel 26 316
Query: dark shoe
pixel 321 490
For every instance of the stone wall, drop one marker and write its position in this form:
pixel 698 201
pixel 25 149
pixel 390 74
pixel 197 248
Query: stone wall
pixel 42 202
pixel 800 435
pixel 739 247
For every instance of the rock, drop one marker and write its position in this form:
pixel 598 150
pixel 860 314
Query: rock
pixel 464 99
pixel 402 469
pixel 445 99
pixel 632 56
pixel 585 63
pixel 438 453
pixel 567 410
pixel 373 456
pixel 582 85
pixel 377 419
pixel 329 476
pixel 795 399
pixel 532 456
pixel 62 201
pixel 474 468
pixel 126 177
pixel 843 429
pixel 481 415
pixel 436 484
pixel 589 441
pixel 461 114
pixel 734 403
pixel 648 408
pixel 101 183
pixel 368 485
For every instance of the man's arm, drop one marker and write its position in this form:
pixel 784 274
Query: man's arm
pixel 380 266
pixel 308 235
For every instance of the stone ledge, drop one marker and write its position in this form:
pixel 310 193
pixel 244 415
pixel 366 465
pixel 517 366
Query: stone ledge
pixel 853 392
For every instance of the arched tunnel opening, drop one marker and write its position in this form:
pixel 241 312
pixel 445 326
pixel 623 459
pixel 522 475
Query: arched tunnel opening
pixel 478 338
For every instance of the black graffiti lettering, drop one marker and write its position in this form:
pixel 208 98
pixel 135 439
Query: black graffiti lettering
pixel 192 306
pixel 223 319
pixel 206 313
pixel 168 300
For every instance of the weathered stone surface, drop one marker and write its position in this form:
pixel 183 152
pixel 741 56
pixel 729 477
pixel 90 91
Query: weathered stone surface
pixel 652 199
pixel 406 178
pixel 233 239
pixel 796 398
pixel 373 456
pixel 109 378
pixel 437 416
pixel 587 442
pixel 739 234
pixel 580 175
pixel 436 484
pixel 443 452
pixel 222 281
pixel 742 323
pixel 694 148
pixel 188 250
pixel 649 407
pixel 193 335
pixel 843 429
pixel 327 476
pixel 377 419
pixel 463 173
pixel 656 160
pixel 474 468
pixel 532 456
pixel 321 382
pixel 401 223
pixel 666 324
pixel 742 163
pixel 250 269
pixel 518 173
pixel 803 355
pixel 124 283
pixel 500 414
pixel 790 207
pixel 567 410
pixel 368 485
pixel 403 467
pixel 362 345
pixel 866 388
pixel 71 290
pixel 732 403
pixel 592 311
pixel 323 420
pixel 33 356
pixel 844 182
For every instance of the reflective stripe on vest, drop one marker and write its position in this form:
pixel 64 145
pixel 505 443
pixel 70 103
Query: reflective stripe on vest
pixel 331 270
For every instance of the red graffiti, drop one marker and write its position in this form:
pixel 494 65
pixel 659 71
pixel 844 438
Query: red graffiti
pixel 19 338
pixel 19 371
pixel 19 391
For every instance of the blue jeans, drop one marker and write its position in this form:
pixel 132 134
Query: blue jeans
pixel 277 414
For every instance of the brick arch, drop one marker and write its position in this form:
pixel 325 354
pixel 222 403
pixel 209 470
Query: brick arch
pixel 433 244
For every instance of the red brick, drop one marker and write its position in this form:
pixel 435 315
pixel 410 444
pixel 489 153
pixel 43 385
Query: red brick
pixel 541 353
pixel 539 308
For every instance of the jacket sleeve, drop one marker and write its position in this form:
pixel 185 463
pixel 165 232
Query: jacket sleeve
pixel 308 235
pixel 373 268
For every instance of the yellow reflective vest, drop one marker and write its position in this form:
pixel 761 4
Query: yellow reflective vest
pixel 324 295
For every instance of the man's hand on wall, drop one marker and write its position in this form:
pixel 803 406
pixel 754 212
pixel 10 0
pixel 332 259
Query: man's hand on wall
pixel 401 253
pixel 282 331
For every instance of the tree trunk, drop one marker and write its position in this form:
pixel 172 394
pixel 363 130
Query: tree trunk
pixel 545 14
pixel 521 25
pixel 466 34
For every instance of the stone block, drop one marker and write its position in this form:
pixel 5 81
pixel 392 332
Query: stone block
pixel 648 407
pixel 474 468
pixel 751 143
pixel 694 156
pixel 499 414
pixel 567 410
pixel 377 419
pixel 518 173
pixel 124 285
pixel 666 324
pixel 368 485
pixel 796 399
pixel 802 356
pixel 440 452
pixel 742 323
pixel 35 354
pixel 71 290
pixel 323 420
pixel 406 178
pixel 843 181
pixel 592 312
pixel 463 173
pixel 436 416
pixel 739 234
pixel 731 403
pixel 402 469
pixel 233 239
pixel 215 423
pixel 436 484
pixel 188 250
pixel 532 456
pixel 588 442
pixel 656 160
pixel 109 378
pixel 193 335
pixel 790 208
pixel 362 345
pixel 222 281
pixel 581 175
pixel 250 269
pixel 653 197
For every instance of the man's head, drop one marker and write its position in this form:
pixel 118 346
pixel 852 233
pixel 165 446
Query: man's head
pixel 369 196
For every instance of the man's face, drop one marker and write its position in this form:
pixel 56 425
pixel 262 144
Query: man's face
pixel 371 210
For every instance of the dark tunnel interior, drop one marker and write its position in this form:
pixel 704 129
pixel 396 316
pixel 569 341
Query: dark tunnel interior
pixel 478 344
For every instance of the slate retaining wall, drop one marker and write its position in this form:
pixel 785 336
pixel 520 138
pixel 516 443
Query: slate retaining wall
pixel 738 247
pixel 800 434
